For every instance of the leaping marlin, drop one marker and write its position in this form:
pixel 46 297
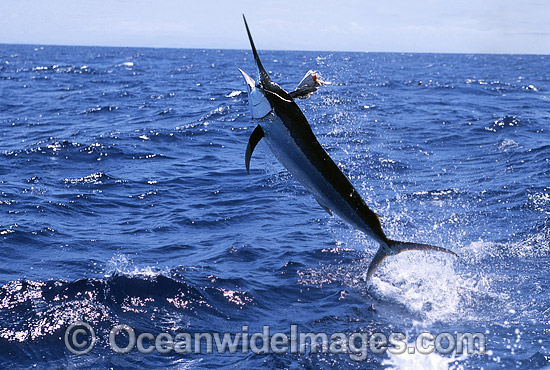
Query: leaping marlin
pixel 290 138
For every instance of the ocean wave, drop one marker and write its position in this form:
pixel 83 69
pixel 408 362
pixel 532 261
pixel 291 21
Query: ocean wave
pixel 31 310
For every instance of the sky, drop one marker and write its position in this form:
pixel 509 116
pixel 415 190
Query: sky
pixel 448 26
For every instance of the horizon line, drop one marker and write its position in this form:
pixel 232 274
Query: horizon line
pixel 296 50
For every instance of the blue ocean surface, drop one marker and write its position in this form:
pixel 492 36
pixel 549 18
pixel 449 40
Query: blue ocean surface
pixel 124 199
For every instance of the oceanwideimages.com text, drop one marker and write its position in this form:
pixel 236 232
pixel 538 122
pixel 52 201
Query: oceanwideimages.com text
pixel 80 339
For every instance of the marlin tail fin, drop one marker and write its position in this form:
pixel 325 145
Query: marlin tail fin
pixel 396 247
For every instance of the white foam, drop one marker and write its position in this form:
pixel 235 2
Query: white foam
pixel 425 283
pixel 407 361
pixel 121 264
pixel 233 94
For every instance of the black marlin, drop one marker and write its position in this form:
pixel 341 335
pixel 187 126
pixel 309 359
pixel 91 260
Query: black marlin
pixel 290 138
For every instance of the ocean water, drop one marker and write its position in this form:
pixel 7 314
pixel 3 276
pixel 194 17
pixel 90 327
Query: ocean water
pixel 124 199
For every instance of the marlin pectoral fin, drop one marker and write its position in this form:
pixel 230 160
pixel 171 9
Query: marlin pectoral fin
pixel 396 247
pixel 254 139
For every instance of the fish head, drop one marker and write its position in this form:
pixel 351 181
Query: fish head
pixel 259 105
pixel 258 92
